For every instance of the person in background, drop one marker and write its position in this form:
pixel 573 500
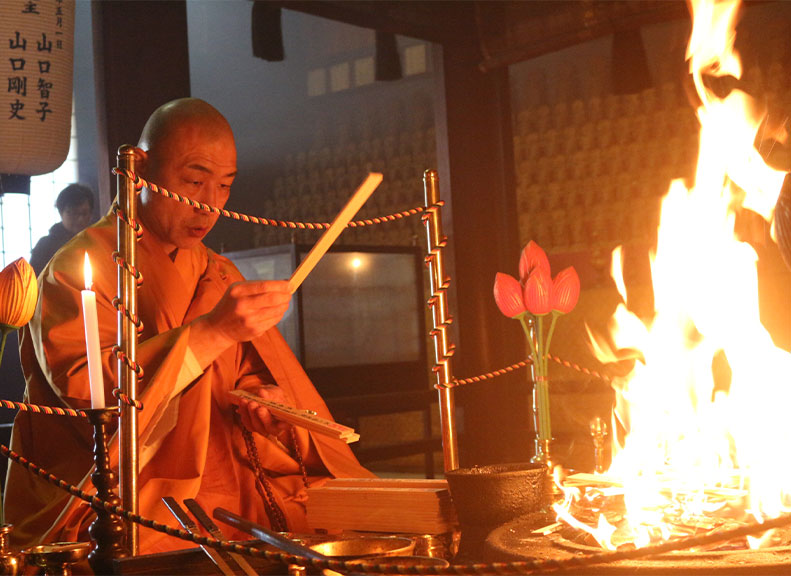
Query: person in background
pixel 75 206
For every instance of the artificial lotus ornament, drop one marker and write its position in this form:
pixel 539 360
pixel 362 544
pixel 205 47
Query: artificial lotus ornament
pixel 529 300
pixel 508 295
pixel 18 296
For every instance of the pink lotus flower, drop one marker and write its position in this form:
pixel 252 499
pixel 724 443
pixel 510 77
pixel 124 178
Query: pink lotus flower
pixel 532 258
pixel 565 290
pixel 538 292
pixel 508 295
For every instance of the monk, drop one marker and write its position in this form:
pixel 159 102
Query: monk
pixel 206 332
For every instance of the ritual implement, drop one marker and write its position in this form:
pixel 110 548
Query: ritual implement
pixel 268 536
pixel 304 418
pixel 190 526
pixel 341 220
pixel 214 532
pixel 342 548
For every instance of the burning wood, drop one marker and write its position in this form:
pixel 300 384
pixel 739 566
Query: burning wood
pixel 594 513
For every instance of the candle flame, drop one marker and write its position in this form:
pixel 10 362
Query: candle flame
pixel 88 273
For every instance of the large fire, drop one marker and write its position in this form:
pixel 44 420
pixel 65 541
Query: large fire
pixel 694 450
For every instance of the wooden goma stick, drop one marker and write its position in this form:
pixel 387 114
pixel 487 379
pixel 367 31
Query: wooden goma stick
pixel 304 418
pixel 341 220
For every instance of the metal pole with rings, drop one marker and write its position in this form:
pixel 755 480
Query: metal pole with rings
pixel 127 343
pixel 443 350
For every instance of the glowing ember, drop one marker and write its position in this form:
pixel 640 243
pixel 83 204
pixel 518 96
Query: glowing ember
pixel 694 454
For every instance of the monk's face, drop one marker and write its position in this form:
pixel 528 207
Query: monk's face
pixel 197 160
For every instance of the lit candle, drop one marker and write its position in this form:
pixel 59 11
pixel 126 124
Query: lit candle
pixel 92 339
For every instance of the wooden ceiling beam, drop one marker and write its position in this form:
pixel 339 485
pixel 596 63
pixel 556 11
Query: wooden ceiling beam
pixel 512 32
pixel 442 22
pixel 495 33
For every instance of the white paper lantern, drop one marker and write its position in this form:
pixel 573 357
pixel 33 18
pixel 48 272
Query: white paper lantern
pixel 36 75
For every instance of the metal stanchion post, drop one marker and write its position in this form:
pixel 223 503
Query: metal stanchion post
pixel 127 342
pixel 441 320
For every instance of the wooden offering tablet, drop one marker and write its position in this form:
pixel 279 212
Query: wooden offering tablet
pixel 303 418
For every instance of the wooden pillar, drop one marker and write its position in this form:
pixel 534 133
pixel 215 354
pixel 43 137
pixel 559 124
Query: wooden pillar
pixel 476 174
pixel 141 61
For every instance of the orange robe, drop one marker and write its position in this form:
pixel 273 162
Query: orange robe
pixel 190 445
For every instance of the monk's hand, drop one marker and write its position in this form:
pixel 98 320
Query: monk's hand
pixel 248 309
pixel 258 418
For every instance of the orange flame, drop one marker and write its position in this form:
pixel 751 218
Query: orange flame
pixel 693 445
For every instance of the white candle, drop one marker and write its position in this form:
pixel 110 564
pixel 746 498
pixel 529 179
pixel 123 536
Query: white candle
pixel 92 339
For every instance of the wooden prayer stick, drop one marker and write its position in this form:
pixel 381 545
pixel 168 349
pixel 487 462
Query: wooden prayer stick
pixel 303 418
pixel 341 220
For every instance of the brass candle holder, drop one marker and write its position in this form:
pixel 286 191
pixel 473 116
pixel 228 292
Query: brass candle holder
pixel 56 559
pixel 107 531
pixel 9 560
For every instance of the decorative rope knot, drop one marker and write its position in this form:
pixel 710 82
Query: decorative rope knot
pixel 128 361
pixel 445 356
pixel 134 318
pixel 131 222
pixel 118 395
pixel 121 263
pixel 441 328
pixel 136 180
pixel 438 291
pixel 434 251
pixel 432 209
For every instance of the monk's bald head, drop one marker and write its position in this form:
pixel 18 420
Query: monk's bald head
pixel 187 147
pixel 170 119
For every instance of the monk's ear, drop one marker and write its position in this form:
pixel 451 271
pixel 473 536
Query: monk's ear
pixel 141 160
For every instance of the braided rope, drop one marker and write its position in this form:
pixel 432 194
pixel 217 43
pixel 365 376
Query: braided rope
pixel 128 361
pixel 39 409
pixel 523 364
pixel 441 289
pixel 488 375
pixel 426 211
pixel 58 411
pixel 121 263
pixel 429 210
pixel 118 395
pixel 431 255
pixel 444 348
pixel 438 332
pixel 134 318
pixel 579 368
pixel 98 503
pixel 140 182
pixel 119 306
pixel 131 222
pixel 523 567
